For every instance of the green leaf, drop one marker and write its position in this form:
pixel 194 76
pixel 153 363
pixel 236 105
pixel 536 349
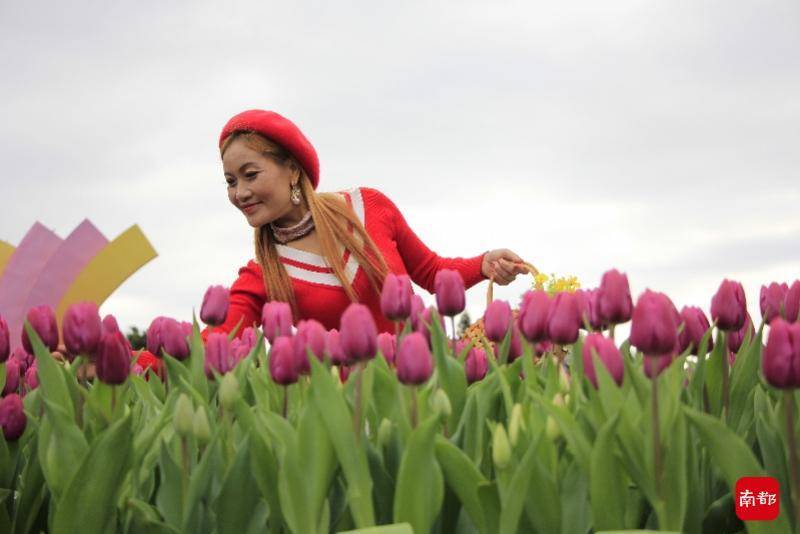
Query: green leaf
pixel 462 478
pixel 450 373
pixel 200 487
pixel 239 497
pixel 518 490
pixel 419 469
pixel 544 512
pixel 676 476
pixel 89 504
pixel 32 490
pixel 578 443
pixel 316 461
pixel 62 447
pixel 401 528
pixel 607 485
pixel 51 380
pixel 197 361
pixel 744 377
pixel 713 374
pixel 169 499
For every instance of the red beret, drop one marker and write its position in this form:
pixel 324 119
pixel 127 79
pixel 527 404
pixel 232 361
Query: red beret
pixel 281 130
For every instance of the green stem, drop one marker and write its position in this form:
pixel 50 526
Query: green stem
pixel 725 378
pixel 414 408
pixel 184 473
pixel 656 435
pixel 788 399
pixel 357 409
pixel 453 326
pixel 611 332
pixel 285 401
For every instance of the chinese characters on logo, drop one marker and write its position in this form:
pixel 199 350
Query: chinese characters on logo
pixel 757 498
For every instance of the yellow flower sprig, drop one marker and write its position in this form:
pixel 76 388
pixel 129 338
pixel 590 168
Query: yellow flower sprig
pixel 553 284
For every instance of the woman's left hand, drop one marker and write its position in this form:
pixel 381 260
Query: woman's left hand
pixel 503 265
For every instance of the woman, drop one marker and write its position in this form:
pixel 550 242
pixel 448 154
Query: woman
pixel 321 251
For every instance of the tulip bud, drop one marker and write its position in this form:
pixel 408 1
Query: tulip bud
pixel 533 315
pixel 218 354
pixel 184 415
pixel 450 292
pixel 173 339
pixel 695 326
pixel 563 380
pixel 154 341
pixel 310 336
pixel 413 360
pixel 607 353
pixel 12 376
pixel 417 307
pixel 358 333
pixel 515 424
pixel 249 338
pixel 425 323
pixel 32 377
pixel 559 400
pixel 109 324
pixel 387 344
pixel 82 328
pixel 229 391
pixel 771 300
pixel 214 309
pixel 515 345
pixel 791 303
pixel 501 448
pixel 551 429
pixel 113 364
pixel 654 328
pixel 276 320
pixel 333 347
pixel 497 320
pixel 564 319
pixel 584 307
pixel 384 432
pixel 657 365
pixel 781 360
pixel 282 365
pixel 200 427
pixel 595 320
pixel 729 306
pixel 475 366
pixel 43 320
pixel 440 403
pixel 5 340
pixel 614 303
pixel 396 297
pixel 735 339
pixel 12 417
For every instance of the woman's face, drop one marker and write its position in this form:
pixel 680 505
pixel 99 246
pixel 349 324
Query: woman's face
pixel 258 185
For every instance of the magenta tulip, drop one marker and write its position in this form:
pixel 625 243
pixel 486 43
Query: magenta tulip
pixel 113 364
pixel 736 338
pixel 543 347
pixel 584 307
pixel 12 417
pixel 13 373
pixel 218 354
pixel 595 320
pixel 425 322
pixel 358 334
pixel 781 360
pixel 450 292
pixel 413 360
pixel 695 326
pixel 333 347
pixel 214 309
pixel 5 340
pixel 476 366
pixel 154 341
pixel 533 315
pixel 564 319
pixel 615 305
pixel 729 306
pixel 239 351
pixel 276 320
pixel 109 325
pixel 771 300
pixel 515 345
pixel 387 343
pixel 23 359
pixel 282 366
pixel 417 307
pixel 497 320
pixel 173 340
pixel 43 320
pixel 657 365
pixel 82 328
pixel 186 328
pixel 249 337
pixel 607 352
pixel 310 337
pixel 32 377
pixel 792 303
pixel 396 297
pixel 654 328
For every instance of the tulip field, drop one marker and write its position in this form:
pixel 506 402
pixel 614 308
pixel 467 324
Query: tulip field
pixel 548 422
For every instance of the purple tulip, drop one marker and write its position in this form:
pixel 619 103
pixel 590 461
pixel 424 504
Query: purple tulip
pixel 12 417
pixel 417 307
pixel 771 300
pixel 461 346
pixel 607 352
pixel 413 360
pixel 387 343
pixel 173 340
pixel 249 338
pixel 595 320
pixel 214 310
pixel 564 319
pixel 656 365
pixel 654 328
pixel 497 320
pixel 584 307
pixel 358 334
pixel 276 320
pixel 792 303
pixel 533 315
pixel 23 359
pixel 239 351
pixel 32 377
pixel 729 306
pixel 187 328
pixel 476 366
pixel 695 326
pixel 310 336
pixel 109 325
pixel 82 328
pixel 5 340
pixel 218 354
pixel 282 367
pixel 615 305
pixel 333 347
pixel 154 340
pixel 781 360
pixel 113 364
pixel 736 338
pixel 425 322
pixel 515 346
pixel 450 292
pixel 543 347
pixel 396 297
pixel 13 373
pixel 43 321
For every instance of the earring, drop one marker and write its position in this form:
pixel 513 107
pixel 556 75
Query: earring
pixel 295 196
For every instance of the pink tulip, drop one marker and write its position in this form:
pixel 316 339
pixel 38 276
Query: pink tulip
pixel 497 320
pixel 413 360
pixel 515 345
pixel 564 319
pixel 729 306
pixel 310 337
pixel 595 320
pixel 218 354
pixel 358 334
pixel 476 366
pixel 387 344
pixel 23 359
pixel 425 322
pixel 137 369
pixel 333 347
pixel 417 307
pixel 173 340
pixel 396 297
pixel 771 300
pixel 214 309
pixel 450 292
pixel 109 325
pixel 154 341
pixel 735 339
pixel 607 352
pixel 82 328
pixel 187 328
pixel 43 320
pixel 658 364
pixel 533 315
pixel 282 367
pixel 792 303
pixel 781 360
pixel 13 373
pixel 249 338
pixel 543 347
pixel 654 328
pixel 615 305
pixel 5 340
pixel 12 417
pixel 113 363
pixel 276 320
pixel 32 377
pixel 239 351
pixel 695 326
pixel 584 307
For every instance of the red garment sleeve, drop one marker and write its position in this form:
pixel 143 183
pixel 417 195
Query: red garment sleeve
pixel 421 262
pixel 246 300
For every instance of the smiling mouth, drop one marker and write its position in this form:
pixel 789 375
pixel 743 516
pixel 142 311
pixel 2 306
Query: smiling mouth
pixel 249 207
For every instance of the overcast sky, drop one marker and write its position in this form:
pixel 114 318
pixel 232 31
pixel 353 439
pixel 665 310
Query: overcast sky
pixel 661 138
